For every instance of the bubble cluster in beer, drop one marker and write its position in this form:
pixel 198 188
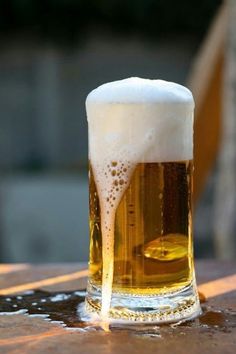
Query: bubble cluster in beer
pixel 118 173
pixel 112 179
pixel 131 121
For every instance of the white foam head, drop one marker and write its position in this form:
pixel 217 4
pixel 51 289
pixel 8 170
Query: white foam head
pixel 138 90
pixel 149 120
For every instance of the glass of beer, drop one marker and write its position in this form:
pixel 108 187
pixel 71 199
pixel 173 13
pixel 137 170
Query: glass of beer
pixel 140 183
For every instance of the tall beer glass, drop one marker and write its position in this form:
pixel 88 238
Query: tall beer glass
pixel 141 166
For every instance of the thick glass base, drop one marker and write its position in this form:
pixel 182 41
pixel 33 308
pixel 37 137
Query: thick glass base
pixel 169 307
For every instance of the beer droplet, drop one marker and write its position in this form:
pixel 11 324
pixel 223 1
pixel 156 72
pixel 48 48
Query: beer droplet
pixel 114 163
pixel 113 172
pixel 202 297
pixel 115 182
pixel 121 182
pixel 124 169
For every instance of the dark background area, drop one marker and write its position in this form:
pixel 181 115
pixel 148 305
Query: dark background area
pixel 64 21
pixel 52 54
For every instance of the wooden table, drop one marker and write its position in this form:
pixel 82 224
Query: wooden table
pixel 23 334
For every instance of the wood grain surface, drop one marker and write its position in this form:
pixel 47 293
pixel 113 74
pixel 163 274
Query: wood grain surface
pixel 23 334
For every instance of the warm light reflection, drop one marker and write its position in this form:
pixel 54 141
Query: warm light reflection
pixel 44 282
pixel 32 337
pixel 8 268
pixel 209 289
pixel 219 286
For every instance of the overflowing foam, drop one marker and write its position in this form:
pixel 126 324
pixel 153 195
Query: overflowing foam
pixel 155 113
pixel 133 121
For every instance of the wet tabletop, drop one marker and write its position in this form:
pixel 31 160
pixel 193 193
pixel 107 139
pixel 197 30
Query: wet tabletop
pixel 39 314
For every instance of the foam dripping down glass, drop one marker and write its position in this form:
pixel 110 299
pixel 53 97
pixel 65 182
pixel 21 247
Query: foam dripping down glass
pixel 140 183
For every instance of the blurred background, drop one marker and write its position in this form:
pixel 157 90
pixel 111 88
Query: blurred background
pixel 52 54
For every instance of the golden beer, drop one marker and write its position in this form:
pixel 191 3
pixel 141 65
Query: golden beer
pixel 153 231
pixel 140 185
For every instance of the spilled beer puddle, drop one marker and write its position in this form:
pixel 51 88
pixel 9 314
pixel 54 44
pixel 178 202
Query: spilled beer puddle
pixel 64 308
